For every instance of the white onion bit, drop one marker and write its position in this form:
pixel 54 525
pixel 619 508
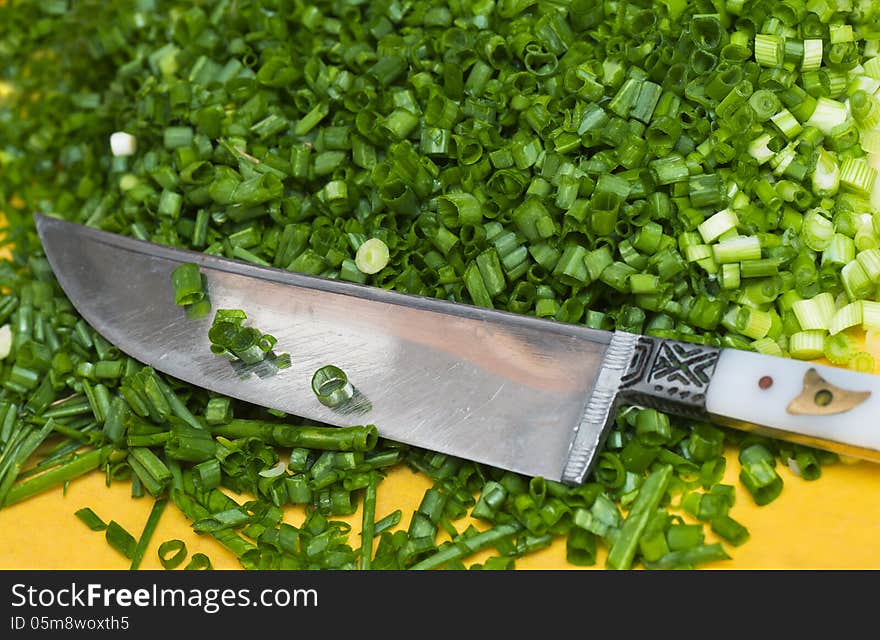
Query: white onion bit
pixel 274 472
pixel 5 340
pixel 123 144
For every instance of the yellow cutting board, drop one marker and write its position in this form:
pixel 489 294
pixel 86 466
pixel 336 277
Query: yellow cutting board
pixel 829 523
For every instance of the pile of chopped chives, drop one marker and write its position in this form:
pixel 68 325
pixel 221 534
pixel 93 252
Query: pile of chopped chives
pixel 699 171
pixel 229 336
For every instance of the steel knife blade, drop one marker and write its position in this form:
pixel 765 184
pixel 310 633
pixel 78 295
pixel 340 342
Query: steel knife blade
pixel 530 395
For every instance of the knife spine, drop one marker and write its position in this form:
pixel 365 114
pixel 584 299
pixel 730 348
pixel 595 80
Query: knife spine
pixel 600 406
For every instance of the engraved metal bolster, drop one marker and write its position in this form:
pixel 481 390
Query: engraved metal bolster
pixel 666 375
pixel 670 376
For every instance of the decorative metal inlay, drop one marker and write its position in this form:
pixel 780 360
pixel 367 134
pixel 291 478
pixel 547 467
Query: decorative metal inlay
pixel 666 375
pixel 639 363
pixel 821 398
pixel 670 376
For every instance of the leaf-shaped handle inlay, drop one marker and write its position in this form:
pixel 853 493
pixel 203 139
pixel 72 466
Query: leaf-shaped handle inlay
pixel 821 398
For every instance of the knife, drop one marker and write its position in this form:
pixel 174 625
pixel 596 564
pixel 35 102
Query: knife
pixel 530 395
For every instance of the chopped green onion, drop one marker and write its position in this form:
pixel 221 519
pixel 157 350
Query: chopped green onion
pixel 807 345
pixel 840 348
pixel 372 256
pixel 758 475
pixel 331 386
pixel 122 144
pixel 198 562
pixel 718 224
pixel 786 123
pixel 862 361
pixel 870 314
pixel 186 280
pixel 368 528
pixel 669 170
pixel 858 176
pixel 737 249
pixel 730 530
pixel 848 316
pixel 120 539
pixel 651 492
pixel 90 519
pixel 827 115
pixel 229 336
pixel 354 438
pixel 218 411
pixel 172 553
pixel 690 558
pixel 467 546
pixel 816 312
pixel 147 534
pixel 812 58
pixel 5 341
pixel 817 230
pixel 59 475
pixel 826 174
pixel 856 281
pixel 769 50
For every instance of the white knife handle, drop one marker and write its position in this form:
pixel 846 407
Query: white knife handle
pixel 820 406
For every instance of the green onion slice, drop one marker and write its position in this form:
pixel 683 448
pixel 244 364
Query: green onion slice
pixel 372 256
pixel 331 386
pixel 172 553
